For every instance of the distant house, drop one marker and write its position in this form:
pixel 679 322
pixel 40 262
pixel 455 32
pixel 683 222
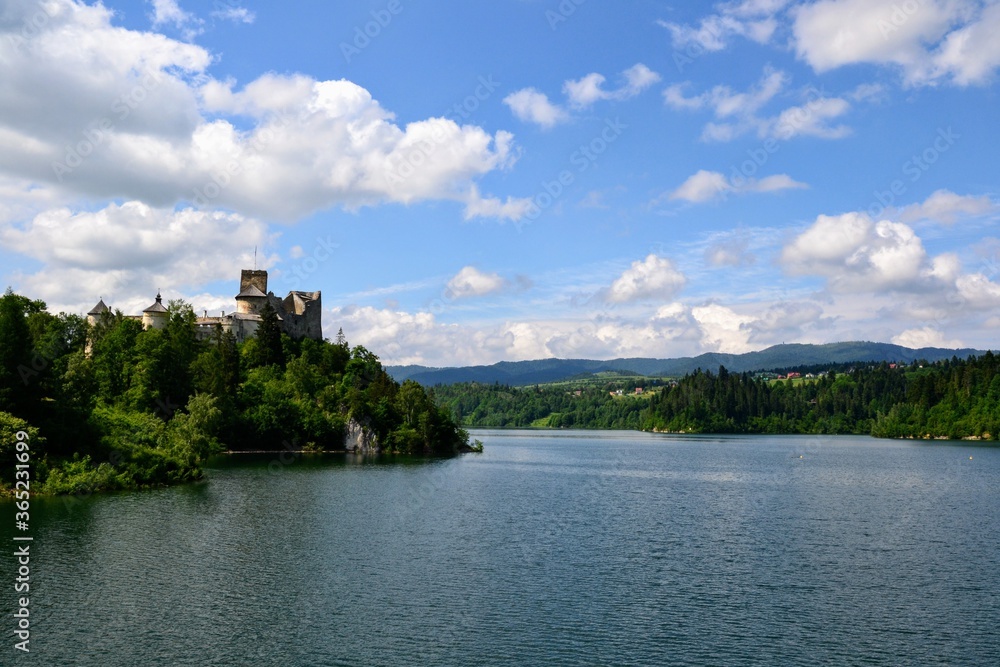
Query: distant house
pixel 793 375
pixel 638 390
pixel 578 392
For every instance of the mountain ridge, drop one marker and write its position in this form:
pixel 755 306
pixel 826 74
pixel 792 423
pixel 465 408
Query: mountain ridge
pixel 785 355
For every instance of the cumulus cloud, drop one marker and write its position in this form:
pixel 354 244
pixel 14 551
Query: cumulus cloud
pixel 929 41
pixel 854 252
pixel 532 106
pixel 471 282
pixel 124 251
pixel 723 329
pixel 420 338
pixel 652 278
pixel 925 337
pixel 706 186
pixel 947 207
pixel 147 123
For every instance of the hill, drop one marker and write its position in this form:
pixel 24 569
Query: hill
pixel 791 355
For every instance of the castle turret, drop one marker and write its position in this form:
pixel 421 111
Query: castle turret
pixel 95 313
pixel 251 299
pixel 156 316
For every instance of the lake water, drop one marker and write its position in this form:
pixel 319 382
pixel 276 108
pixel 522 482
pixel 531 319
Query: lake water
pixel 567 548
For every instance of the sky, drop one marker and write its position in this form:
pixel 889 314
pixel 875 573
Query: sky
pixel 472 182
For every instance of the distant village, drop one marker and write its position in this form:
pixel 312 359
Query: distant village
pixel 299 313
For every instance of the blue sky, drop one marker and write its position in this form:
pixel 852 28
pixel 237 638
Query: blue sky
pixel 474 182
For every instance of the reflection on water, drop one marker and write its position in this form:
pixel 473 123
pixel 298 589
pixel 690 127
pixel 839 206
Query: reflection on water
pixel 564 548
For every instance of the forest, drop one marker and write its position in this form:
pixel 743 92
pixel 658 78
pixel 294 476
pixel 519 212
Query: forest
pixel 947 399
pixel 113 406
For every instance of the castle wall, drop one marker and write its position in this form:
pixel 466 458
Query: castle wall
pixel 301 314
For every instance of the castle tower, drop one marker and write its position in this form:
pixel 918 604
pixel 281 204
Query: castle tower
pixel 95 313
pixel 156 316
pixel 257 278
pixel 253 292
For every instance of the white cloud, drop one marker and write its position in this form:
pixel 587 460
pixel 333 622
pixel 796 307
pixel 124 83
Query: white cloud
pixel 471 282
pixel 978 291
pixel 125 252
pixel 235 14
pixel 702 186
pixel 925 337
pixel 723 329
pixel 168 11
pixel 706 186
pixel 532 106
pixel 511 208
pixel 652 278
pixel 724 102
pixel 139 127
pixel 809 119
pixel 855 253
pixel 947 207
pixel 584 92
pixel 753 19
pixel 929 41
pixel 729 252
pixel 738 113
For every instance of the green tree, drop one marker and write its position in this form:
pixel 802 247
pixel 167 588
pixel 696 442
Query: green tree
pixel 17 392
pixel 270 351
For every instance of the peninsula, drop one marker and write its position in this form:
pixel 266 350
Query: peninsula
pixel 114 401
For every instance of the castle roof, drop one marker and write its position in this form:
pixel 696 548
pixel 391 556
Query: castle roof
pixel 101 307
pixel 250 291
pixel 157 306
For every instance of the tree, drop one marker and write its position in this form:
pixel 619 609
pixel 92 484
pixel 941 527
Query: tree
pixel 16 390
pixel 114 359
pixel 270 351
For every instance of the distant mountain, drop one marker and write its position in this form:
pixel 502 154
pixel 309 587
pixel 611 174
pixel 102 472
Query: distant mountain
pixel 519 373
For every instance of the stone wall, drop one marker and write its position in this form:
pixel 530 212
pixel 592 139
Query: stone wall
pixel 256 278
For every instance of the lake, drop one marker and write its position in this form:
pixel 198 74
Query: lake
pixel 551 548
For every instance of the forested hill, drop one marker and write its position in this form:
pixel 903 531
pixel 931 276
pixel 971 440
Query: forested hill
pixel 947 399
pixel 113 406
pixel 785 356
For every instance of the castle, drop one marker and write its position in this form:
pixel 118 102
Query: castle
pixel 299 313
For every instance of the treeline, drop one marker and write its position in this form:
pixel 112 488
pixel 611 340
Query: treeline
pixel 947 399
pixel 551 406
pixel 113 406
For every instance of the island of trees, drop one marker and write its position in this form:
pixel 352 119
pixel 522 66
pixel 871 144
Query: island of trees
pixel 947 399
pixel 113 406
